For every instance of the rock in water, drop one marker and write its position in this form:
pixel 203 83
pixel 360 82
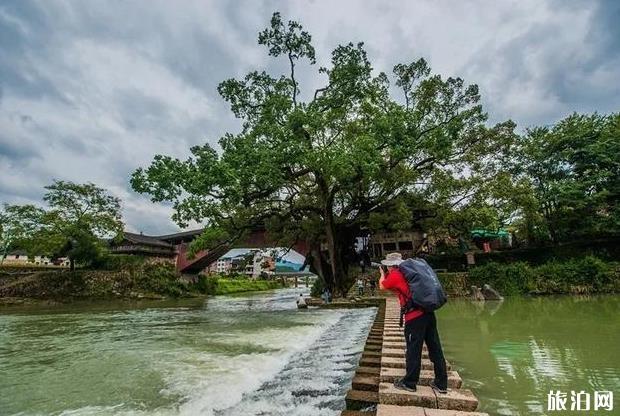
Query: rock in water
pixel 476 294
pixel 490 293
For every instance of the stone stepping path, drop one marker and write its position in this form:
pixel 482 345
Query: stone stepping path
pixel 400 363
pixel 399 352
pixel 390 375
pixel 383 362
pixel 391 410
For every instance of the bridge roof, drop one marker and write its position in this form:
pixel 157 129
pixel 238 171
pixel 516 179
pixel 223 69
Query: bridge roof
pixel 145 239
pixel 180 236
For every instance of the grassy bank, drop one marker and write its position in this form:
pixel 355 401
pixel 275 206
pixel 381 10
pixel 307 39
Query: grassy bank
pixel 218 285
pixel 585 275
pixel 151 281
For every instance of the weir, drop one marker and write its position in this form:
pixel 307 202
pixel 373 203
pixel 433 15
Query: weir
pixel 383 361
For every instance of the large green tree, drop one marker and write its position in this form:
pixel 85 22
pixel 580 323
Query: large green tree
pixel 314 166
pixel 18 223
pixel 78 218
pixel 573 169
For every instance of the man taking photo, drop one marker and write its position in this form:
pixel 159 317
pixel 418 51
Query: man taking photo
pixel 420 328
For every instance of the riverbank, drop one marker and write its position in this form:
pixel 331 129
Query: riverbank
pixel 152 282
pixel 587 275
pixel 227 286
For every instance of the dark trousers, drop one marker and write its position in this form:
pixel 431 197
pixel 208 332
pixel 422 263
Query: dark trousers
pixel 417 332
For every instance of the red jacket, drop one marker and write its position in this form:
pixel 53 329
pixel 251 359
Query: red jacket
pixel 397 283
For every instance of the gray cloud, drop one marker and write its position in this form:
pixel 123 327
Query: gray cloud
pixel 91 90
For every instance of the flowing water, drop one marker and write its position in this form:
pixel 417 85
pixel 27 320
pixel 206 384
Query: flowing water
pixel 257 355
pixel 243 355
pixel 513 353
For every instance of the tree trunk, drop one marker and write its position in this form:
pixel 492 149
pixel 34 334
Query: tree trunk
pixel 320 266
pixel 336 258
pixel 71 264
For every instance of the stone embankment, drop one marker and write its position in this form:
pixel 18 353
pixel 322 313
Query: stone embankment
pixel 383 361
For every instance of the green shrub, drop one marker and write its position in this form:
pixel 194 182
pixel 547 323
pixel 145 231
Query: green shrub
pixel 217 285
pixel 592 271
pixel 160 278
pixel 508 279
pixel 226 286
pixel 207 285
pixel 587 274
pixel 604 249
pixel 119 262
pixel 455 284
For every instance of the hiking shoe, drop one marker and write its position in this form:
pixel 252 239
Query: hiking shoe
pixel 400 384
pixel 437 389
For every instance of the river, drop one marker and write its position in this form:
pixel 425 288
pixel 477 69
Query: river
pixel 231 355
pixel 257 355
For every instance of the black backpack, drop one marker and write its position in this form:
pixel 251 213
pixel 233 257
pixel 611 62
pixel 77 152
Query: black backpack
pixel 426 290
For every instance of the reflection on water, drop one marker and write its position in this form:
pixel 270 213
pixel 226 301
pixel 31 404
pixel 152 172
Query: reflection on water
pixel 513 353
pixel 249 354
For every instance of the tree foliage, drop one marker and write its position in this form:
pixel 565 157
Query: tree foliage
pixel 18 223
pixel 317 169
pixel 78 218
pixel 573 170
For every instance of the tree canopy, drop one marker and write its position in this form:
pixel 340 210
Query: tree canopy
pixel 573 171
pixel 317 169
pixel 17 224
pixel 78 217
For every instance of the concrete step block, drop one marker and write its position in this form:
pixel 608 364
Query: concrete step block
pixel 446 412
pixel 394 344
pixel 457 399
pixel 393 339
pixel 400 363
pixel 400 345
pixel 365 382
pixel 370 362
pixel 389 375
pixel 398 352
pixel 393 410
pixel 357 413
pixel 361 399
pixel 365 370
pixel 424 396
pixel 373 347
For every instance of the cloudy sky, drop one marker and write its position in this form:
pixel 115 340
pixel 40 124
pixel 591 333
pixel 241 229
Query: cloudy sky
pixel 91 90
